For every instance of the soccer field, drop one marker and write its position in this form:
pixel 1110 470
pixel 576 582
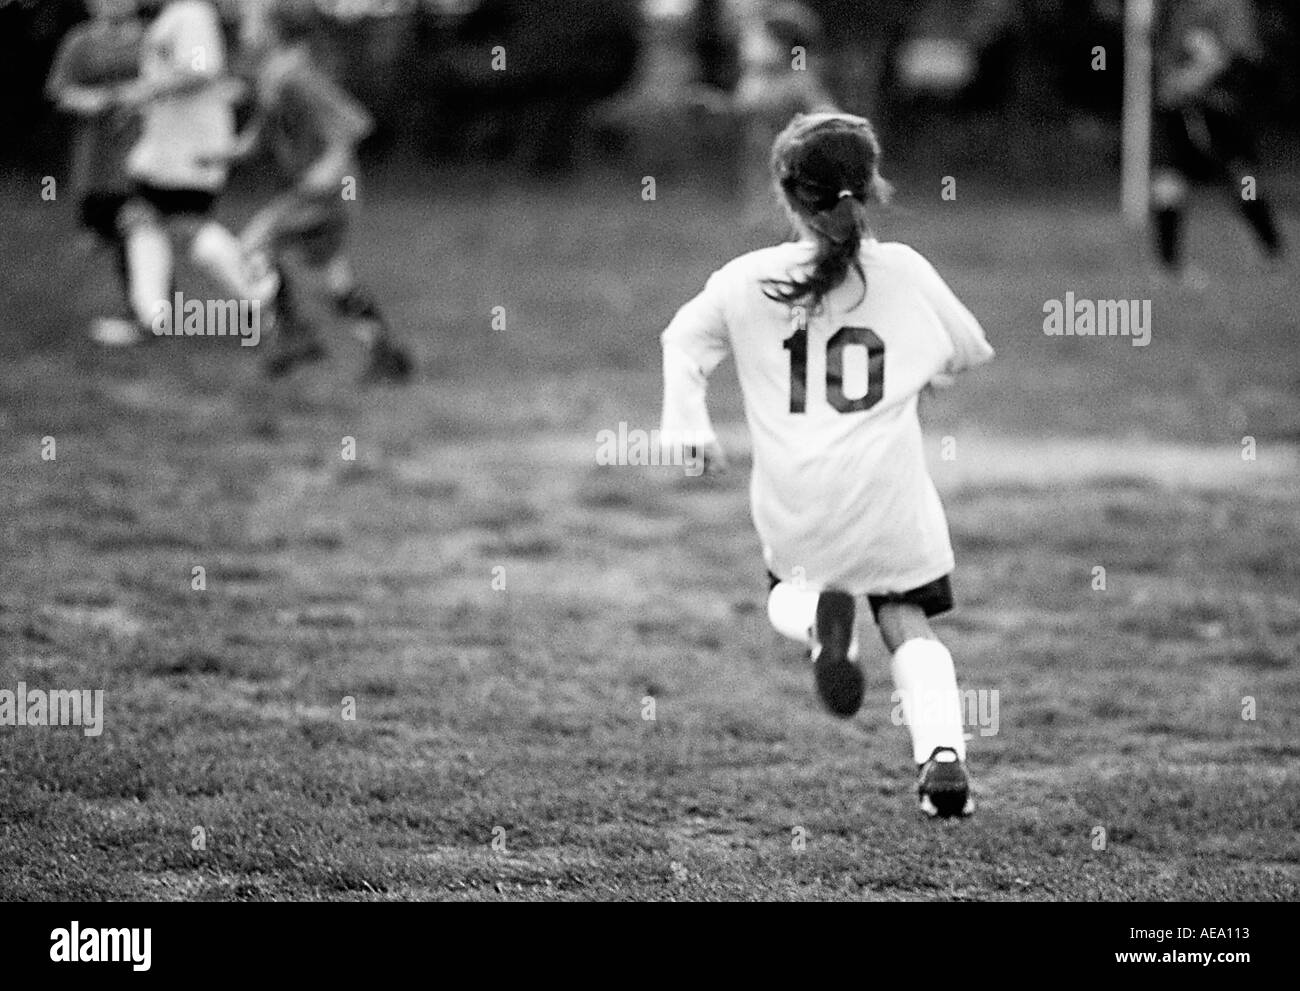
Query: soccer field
pixel 504 613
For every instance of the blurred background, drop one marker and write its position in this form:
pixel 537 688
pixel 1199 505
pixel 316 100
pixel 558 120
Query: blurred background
pixel 988 85
pixel 504 226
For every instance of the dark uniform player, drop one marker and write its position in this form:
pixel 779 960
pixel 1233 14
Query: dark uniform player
pixel 1206 56
pixel 96 61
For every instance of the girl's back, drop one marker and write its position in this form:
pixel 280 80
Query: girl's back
pixel 830 396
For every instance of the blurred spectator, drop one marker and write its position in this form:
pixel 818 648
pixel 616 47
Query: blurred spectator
pixel 780 50
pixel 668 117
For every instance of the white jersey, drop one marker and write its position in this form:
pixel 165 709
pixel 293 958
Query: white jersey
pixel 180 131
pixel 840 493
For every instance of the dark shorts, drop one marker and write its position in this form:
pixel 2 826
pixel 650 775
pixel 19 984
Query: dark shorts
pixel 1205 144
pixel 177 202
pixel 100 212
pixel 934 598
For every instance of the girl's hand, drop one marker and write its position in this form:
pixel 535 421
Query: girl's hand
pixel 86 101
pixel 131 97
pixel 942 381
pixel 325 177
pixel 712 458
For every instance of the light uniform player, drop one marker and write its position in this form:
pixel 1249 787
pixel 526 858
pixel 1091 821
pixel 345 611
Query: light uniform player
pixel 185 101
pixel 94 61
pixel 834 337
pixel 312 129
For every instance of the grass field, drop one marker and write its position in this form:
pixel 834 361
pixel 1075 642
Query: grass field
pixel 517 712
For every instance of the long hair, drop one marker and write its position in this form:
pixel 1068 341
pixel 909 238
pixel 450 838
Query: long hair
pixel 826 167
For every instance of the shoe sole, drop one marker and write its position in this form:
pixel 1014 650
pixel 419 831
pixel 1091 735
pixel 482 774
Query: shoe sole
pixel 839 681
pixel 109 335
pixel 948 794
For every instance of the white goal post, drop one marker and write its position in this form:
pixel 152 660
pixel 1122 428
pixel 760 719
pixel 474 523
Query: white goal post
pixel 1139 16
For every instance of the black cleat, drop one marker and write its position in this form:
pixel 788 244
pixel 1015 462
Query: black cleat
pixel 839 680
pixel 389 363
pixel 943 786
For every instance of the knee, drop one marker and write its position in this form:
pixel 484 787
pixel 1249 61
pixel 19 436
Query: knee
pixel 339 277
pixel 900 622
pixel 1168 190
pixel 211 245
pixel 137 215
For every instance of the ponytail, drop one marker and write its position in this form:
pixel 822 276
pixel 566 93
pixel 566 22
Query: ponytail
pixel 838 234
pixel 826 168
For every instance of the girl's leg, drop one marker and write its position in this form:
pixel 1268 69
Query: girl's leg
pixel 792 611
pixel 389 361
pixel 148 262
pixel 122 269
pixel 925 679
pixel 295 341
pixel 222 256
pixel 824 622
pixel 1234 150
pixel 926 684
pixel 354 302
pixel 1168 203
pixel 1257 209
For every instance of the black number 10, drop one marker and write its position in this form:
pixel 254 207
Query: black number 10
pixel 843 338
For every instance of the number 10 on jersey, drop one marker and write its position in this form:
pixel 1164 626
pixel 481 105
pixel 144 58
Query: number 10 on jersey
pixel 843 338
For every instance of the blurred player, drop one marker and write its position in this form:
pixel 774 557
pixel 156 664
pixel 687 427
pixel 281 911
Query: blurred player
pixel 95 61
pixel 779 45
pixel 1206 55
pixel 834 337
pixel 312 129
pixel 185 100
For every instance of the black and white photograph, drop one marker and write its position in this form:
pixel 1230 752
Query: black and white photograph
pixel 651 451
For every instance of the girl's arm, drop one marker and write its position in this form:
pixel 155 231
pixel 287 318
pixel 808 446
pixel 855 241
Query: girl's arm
pixel 327 173
pixel 970 347
pixel 66 92
pixel 244 145
pixel 183 82
pixel 693 345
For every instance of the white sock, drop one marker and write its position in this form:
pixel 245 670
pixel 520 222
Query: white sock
pixel 926 680
pixel 792 611
pixel 149 261
pixel 219 253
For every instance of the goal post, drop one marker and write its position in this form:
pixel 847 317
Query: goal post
pixel 1139 17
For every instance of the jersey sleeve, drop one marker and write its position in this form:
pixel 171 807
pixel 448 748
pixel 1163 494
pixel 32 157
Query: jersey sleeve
pixel 970 347
pixel 197 44
pixel 694 344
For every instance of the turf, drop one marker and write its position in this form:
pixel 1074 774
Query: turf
pixel 505 612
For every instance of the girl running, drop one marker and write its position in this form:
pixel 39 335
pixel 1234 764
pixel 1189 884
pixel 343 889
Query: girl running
pixel 835 335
